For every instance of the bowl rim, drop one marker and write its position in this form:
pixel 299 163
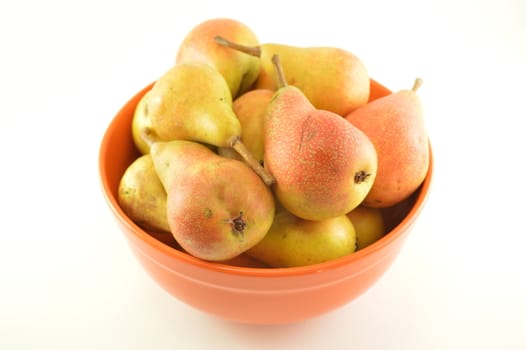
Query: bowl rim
pixel 144 236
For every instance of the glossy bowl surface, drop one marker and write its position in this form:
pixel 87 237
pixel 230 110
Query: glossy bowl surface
pixel 255 295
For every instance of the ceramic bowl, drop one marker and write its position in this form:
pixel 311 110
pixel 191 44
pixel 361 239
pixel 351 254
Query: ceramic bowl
pixel 242 290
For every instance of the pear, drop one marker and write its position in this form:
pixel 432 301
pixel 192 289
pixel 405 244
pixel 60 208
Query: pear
pixel 250 110
pixel 323 166
pixel 292 241
pixel 239 70
pixel 331 78
pixel 142 196
pixel 192 101
pixel 217 207
pixel 142 132
pixel 140 123
pixel 395 124
pixel 369 225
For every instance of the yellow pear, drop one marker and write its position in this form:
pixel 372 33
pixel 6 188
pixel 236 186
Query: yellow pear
pixel 142 196
pixel 250 110
pixel 331 78
pixel 368 223
pixel 142 132
pixel 292 241
pixel 192 102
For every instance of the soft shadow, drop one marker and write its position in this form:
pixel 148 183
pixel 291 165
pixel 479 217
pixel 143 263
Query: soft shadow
pixel 276 336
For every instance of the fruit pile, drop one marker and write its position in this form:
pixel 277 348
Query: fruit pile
pixel 282 154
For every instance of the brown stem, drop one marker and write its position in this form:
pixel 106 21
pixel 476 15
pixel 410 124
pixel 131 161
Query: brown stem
pixel 282 81
pixel 251 50
pixel 243 151
pixel 418 83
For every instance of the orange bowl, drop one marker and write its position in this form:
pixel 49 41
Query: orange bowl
pixel 247 292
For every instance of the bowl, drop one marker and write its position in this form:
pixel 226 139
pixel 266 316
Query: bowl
pixel 249 293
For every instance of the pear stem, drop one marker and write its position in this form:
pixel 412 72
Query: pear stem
pixel 282 81
pixel 251 50
pixel 418 83
pixel 243 151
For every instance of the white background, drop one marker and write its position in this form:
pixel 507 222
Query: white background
pixel 67 277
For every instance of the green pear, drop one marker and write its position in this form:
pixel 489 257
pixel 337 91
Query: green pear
pixel 331 78
pixel 217 207
pixel 250 110
pixel 192 101
pixel 292 241
pixel 239 70
pixel 323 166
pixel 142 196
